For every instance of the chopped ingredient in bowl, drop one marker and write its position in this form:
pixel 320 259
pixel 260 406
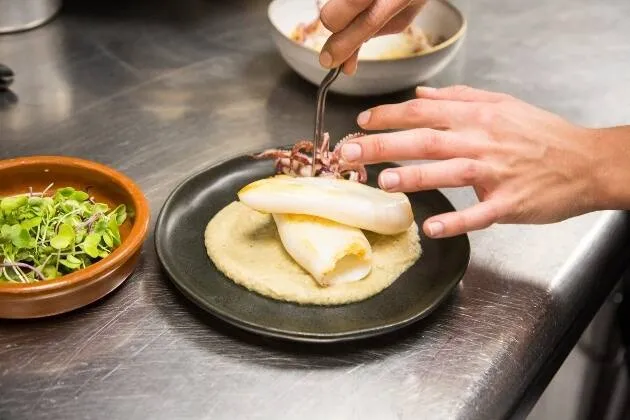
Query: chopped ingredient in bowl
pixel 44 235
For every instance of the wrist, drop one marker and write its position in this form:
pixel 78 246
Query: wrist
pixel 611 167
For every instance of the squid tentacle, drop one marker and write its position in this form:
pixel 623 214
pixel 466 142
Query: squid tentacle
pixel 328 163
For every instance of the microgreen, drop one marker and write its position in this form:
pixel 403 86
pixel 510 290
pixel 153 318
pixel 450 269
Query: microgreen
pixel 48 234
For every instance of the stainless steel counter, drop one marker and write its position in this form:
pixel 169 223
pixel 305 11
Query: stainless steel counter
pixel 160 89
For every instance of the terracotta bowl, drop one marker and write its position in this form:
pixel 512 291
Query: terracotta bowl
pixel 80 288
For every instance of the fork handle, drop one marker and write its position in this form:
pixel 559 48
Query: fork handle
pixel 319 112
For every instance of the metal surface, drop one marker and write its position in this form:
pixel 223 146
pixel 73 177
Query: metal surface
pixel 161 89
pixel 6 77
pixel 601 344
pixel 20 15
pixel 320 111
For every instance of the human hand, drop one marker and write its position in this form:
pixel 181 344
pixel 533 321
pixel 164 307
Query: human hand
pixel 354 22
pixel 526 165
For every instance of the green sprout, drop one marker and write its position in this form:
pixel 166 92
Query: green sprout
pixel 44 235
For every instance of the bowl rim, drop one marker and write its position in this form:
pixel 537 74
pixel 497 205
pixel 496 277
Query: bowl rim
pixel 119 256
pixel 445 44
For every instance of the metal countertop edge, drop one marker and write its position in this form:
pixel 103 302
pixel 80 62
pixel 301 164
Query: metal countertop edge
pixel 614 252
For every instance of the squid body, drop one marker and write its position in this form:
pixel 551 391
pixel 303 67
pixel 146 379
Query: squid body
pixel 320 221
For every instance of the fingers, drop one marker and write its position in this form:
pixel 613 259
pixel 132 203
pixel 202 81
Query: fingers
pixel 350 66
pixel 341 45
pixel 479 216
pixel 420 143
pixel 337 14
pixel 400 22
pixel 460 93
pixel 416 113
pixel 459 172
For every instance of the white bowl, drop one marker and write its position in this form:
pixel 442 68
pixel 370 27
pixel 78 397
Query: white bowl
pixel 438 19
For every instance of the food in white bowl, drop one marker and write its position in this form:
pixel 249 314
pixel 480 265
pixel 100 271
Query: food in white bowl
pixel 409 42
pixel 324 240
pixel 387 63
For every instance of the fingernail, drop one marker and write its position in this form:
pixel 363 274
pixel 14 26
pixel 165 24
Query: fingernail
pixel 436 229
pixel 325 59
pixel 351 151
pixel 363 118
pixel 389 180
pixel 349 71
pixel 421 89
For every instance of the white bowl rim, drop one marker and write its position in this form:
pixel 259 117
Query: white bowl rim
pixel 446 43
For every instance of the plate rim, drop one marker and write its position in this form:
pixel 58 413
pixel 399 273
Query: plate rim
pixel 272 332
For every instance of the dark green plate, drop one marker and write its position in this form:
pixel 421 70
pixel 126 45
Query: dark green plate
pixel 180 247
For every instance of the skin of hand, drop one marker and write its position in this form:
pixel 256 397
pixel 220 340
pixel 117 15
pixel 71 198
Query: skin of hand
pixel 354 22
pixel 525 164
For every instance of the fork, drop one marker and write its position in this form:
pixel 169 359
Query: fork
pixel 319 112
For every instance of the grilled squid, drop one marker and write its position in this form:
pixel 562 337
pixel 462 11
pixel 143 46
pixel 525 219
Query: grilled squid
pixel 320 220
pixel 339 200
pixel 330 252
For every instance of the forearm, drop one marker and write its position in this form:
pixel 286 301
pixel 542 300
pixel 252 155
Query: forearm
pixel 612 167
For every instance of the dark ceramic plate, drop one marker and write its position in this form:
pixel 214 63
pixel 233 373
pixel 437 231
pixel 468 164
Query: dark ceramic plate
pixel 180 247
